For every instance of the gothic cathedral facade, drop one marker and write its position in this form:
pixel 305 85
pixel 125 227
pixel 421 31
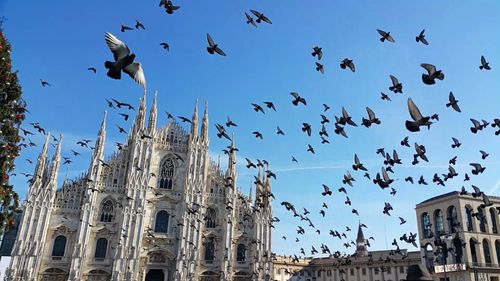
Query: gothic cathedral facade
pixel 157 209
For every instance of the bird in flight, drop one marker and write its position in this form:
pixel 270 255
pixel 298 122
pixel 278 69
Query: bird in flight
pixel 124 61
pixel 421 38
pixel 385 36
pixel 213 48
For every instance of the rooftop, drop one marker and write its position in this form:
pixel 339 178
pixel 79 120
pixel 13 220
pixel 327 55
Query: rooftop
pixel 457 194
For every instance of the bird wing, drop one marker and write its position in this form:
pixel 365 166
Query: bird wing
pixel 119 49
pixel 394 80
pixel 371 114
pixel 385 176
pixel 381 32
pixel 429 67
pixel 248 17
pixel 219 51
pixel 356 159
pixel 421 33
pixel 344 113
pixel 483 60
pixel 423 40
pixel 256 13
pixel 266 19
pixel 476 189
pixel 351 66
pixel 295 95
pixel 414 111
pixel 475 122
pixel 211 42
pixel 137 73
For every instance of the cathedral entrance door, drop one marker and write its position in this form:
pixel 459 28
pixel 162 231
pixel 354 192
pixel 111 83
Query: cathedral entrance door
pixel 155 275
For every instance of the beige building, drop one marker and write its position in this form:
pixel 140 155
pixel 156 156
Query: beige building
pixel 363 265
pixel 459 237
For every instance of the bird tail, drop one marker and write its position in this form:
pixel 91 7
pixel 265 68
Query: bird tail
pixel 481 67
pixel 295 102
pixel 417 39
pixel 473 130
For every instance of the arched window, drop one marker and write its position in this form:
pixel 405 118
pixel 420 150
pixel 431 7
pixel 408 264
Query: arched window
pixel 468 216
pixel 429 258
pixel 209 250
pixel 210 218
pixel 497 250
pixel 426 225
pixel 452 218
pixel 166 175
pixel 472 244
pixel 101 248
pixel 161 223
pixel 493 217
pixel 107 213
pixel 482 219
pixel 438 222
pixel 59 246
pixel 486 251
pixel 240 252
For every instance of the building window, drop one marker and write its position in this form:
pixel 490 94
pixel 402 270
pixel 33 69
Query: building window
pixel 486 251
pixel 107 213
pixel 166 175
pixel 209 250
pixel 493 216
pixel 389 269
pixel 426 225
pixel 438 222
pixel 352 271
pixel 452 218
pixel 101 248
pixel 497 250
pixel 468 215
pixel 161 223
pixel 363 271
pixel 240 252
pixel 429 258
pixel 377 270
pixel 319 273
pixel 59 246
pixel 482 219
pixel 401 269
pixel 329 272
pixel 472 244
pixel 210 218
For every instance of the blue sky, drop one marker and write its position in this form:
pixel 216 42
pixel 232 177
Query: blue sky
pixel 58 40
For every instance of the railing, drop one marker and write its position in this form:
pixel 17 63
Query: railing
pixel 477 264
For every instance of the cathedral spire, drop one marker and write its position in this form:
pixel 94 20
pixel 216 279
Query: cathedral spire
pixel 40 166
pixel 140 117
pixel 152 116
pixel 361 249
pixel 250 193
pixel 204 125
pixel 99 147
pixel 56 162
pixel 194 122
pixel 231 165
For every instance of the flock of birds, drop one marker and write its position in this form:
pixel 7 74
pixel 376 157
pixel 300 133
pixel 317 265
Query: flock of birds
pixel 125 61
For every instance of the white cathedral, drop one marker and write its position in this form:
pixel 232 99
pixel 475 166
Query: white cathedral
pixel 158 209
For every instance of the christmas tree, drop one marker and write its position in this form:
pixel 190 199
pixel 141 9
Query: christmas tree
pixel 12 110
